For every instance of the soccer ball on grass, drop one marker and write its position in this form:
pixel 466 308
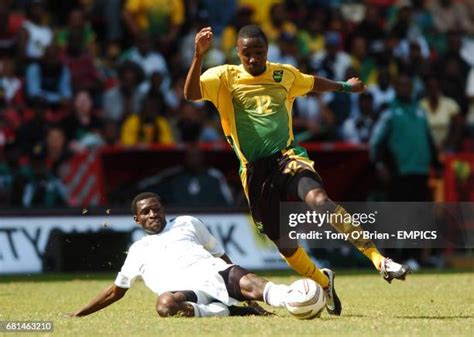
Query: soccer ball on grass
pixel 305 299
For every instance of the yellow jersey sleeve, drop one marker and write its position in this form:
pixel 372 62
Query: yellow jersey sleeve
pixel 211 82
pixel 302 83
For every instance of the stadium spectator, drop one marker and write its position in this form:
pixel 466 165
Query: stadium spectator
pixel 243 17
pixel 371 26
pixel 8 171
pixel 124 98
pixel 55 149
pixel 149 126
pixel 49 79
pixel 32 132
pixel 417 67
pixel 358 129
pixel 11 86
pixel 382 92
pixel 453 68
pixel 190 185
pixel 81 65
pixel 10 26
pixel 443 115
pixel 284 50
pixel 104 16
pixel 362 62
pixel 37 184
pixel 344 105
pixel 407 33
pixel 260 10
pixel 189 271
pixel 83 127
pixel 278 24
pixel 163 19
pixel 150 60
pixel 331 62
pixel 402 142
pixel 451 15
pixel 36 35
pixel 7 132
pixel 311 35
pixel 468 142
pixel 79 26
pixel 218 16
pixel 192 125
pixel 157 90
pixel 313 118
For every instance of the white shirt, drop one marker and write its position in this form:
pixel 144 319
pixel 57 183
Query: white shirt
pixel 340 64
pixel 39 37
pixel 184 256
pixel 10 86
pixel 381 96
pixel 440 119
pixel 150 63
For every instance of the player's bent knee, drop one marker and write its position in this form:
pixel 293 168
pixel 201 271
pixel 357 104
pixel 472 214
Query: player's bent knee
pixel 317 196
pixel 318 200
pixel 166 305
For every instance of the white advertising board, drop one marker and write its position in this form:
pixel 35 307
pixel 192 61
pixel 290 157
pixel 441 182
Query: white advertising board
pixel 23 240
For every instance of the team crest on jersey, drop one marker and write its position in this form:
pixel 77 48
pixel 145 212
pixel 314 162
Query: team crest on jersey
pixel 278 75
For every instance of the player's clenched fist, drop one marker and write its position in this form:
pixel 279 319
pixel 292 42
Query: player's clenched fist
pixel 202 41
pixel 357 85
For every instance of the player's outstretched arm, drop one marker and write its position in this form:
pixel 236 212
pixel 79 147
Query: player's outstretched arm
pixel 202 42
pixel 108 296
pixel 351 85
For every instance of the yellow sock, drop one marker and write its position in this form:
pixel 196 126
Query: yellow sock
pixel 374 255
pixel 365 246
pixel 303 265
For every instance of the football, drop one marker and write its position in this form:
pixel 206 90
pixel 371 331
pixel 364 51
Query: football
pixel 305 299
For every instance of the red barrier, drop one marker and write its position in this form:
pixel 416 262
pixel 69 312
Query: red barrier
pixel 459 177
pixel 344 167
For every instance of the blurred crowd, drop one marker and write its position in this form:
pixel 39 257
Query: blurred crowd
pixel 81 74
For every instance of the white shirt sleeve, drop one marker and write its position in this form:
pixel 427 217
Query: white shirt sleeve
pixel 205 238
pixel 130 269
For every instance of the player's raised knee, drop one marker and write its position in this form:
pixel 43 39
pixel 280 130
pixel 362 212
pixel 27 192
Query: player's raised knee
pixel 317 198
pixel 166 305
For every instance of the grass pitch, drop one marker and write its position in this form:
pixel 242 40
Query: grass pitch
pixel 434 304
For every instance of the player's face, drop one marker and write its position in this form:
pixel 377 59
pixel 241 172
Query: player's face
pixel 150 215
pixel 253 54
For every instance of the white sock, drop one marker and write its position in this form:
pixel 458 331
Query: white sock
pixel 275 294
pixel 211 309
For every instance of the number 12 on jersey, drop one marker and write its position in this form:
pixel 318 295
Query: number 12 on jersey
pixel 263 104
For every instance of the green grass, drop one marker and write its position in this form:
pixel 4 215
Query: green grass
pixel 436 304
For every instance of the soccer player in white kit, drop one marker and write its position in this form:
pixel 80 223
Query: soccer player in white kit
pixel 182 263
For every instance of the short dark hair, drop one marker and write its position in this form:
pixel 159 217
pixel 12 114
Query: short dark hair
pixel 252 31
pixel 142 196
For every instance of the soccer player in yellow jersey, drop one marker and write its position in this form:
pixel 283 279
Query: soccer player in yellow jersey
pixel 254 101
